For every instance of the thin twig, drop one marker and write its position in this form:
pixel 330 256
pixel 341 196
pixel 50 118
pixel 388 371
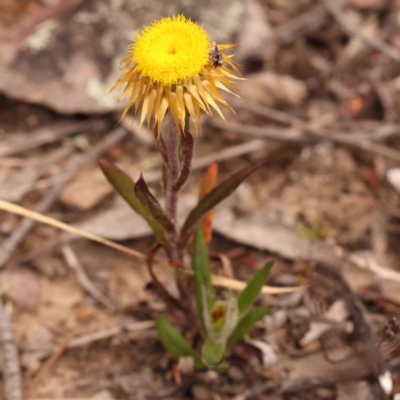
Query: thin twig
pixel 290 135
pixel 73 262
pixel 266 112
pixel 76 163
pixel 309 21
pixel 24 212
pixel 20 142
pixel 364 144
pixel 11 368
pixel 223 282
pixel 89 338
pixel 46 367
pixel 334 8
pixel 293 135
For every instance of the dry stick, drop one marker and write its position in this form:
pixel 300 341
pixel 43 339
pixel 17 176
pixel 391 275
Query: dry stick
pixel 75 164
pixel 364 144
pixel 19 142
pixel 46 367
pixel 73 262
pixel 216 280
pixel 266 112
pixel 276 134
pixel 381 132
pixel 309 21
pixel 11 368
pixel 310 137
pixel 334 8
pixel 24 212
pixel 88 338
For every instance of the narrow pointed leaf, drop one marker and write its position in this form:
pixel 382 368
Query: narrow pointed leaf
pixel 246 324
pixel 125 188
pixel 202 277
pixel 213 353
pixel 174 342
pixel 249 294
pixel 143 194
pixel 187 155
pixel 214 197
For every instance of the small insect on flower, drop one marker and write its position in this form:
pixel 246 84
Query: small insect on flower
pixel 215 55
pixel 171 67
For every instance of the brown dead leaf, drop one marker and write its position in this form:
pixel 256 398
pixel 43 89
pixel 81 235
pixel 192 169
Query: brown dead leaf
pixel 119 222
pixel 258 230
pixel 22 287
pixel 86 190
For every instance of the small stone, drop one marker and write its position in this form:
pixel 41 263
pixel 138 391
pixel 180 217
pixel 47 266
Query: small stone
pixel 235 373
pixel 186 365
pixel 201 392
pixel 103 395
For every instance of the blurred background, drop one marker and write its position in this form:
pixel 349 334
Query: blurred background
pixel 320 102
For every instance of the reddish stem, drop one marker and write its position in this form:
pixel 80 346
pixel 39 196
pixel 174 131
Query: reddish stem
pixel 172 147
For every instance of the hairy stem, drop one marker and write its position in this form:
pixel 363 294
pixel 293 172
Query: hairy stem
pixel 172 147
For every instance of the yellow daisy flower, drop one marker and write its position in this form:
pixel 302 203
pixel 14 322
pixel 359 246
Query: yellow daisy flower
pixel 173 65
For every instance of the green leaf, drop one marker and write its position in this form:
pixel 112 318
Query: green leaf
pixel 215 196
pixel 174 342
pixel 187 155
pixel 246 324
pixel 202 277
pixel 249 294
pixel 125 188
pixel 213 353
pixel 143 194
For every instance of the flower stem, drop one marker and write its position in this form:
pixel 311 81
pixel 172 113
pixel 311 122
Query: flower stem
pixel 172 147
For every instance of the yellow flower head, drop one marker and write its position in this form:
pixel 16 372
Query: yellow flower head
pixel 174 65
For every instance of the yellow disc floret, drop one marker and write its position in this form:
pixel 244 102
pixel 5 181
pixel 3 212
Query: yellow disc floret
pixel 171 50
